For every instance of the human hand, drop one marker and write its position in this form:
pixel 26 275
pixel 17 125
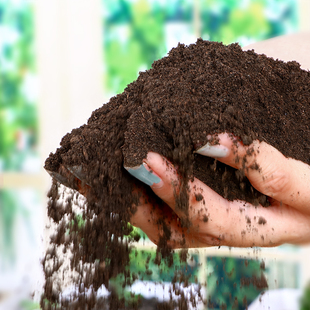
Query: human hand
pixel 285 181
pixel 282 218
pixel 217 221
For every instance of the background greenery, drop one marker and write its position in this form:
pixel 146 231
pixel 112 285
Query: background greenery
pixel 230 282
pixel 18 110
pixel 138 32
pixel 305 300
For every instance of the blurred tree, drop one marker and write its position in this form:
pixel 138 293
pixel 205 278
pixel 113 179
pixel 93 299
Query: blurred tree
pixel 245 21
pixel 135 29
pixel 18 113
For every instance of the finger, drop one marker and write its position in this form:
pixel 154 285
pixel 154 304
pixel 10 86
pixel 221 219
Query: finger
pixel 168 187
pixel 237 223
pixel 269 171
pixel 151 218
pixel 204 203
pixel 66 177
pixel 233 223
pixel 161 222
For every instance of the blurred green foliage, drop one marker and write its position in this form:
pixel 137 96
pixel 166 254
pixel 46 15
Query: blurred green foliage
pixel 135 31
pixel 29 305
pixel 134 37
pixel 18 112
pixel 247 21
pixel 305 300
pixel 233 282
pixel 145 268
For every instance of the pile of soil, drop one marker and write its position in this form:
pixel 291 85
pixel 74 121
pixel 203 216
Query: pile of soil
pixel 200 89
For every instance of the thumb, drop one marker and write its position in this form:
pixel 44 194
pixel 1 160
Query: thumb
pixel 269 171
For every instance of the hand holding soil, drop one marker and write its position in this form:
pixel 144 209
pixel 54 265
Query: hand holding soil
pixel 219 138
pixel 217 221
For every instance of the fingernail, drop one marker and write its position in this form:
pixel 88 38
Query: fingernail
pixel 59 178
pixel 77 171
pixel 217 151
pixel 143 174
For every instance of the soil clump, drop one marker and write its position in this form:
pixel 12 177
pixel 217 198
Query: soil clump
pixel 197 90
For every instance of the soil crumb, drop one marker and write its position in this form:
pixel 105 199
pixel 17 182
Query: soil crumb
pixel 198 90
pixel 262 220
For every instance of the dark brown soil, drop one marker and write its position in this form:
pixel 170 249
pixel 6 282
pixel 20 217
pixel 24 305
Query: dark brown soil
pixel 200 89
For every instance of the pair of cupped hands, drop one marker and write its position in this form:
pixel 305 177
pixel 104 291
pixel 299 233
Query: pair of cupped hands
pixel 215 221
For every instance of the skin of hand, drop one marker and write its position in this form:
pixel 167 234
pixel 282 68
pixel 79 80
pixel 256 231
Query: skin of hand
pixel 216 221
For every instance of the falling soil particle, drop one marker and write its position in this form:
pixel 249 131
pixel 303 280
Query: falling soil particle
pixel 198 197
pixel 205 218
pixel 257 282
pixel 197 90
pixel 262 265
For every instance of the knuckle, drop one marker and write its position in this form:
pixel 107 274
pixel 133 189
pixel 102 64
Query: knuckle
pixel 277 184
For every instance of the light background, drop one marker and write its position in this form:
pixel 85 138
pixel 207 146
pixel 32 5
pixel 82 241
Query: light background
pixel 60 60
